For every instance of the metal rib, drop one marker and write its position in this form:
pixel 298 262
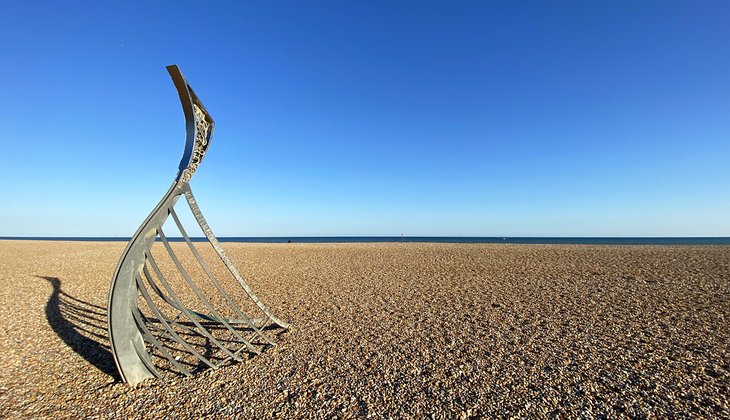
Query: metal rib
pixel 203 299
pixel 172 303
pixel 213 280
pixel 145 357
pixel 224 257
pixel 172 322
pixel 204 265
pixel 174 335
pixel 147 334
pixel 177 300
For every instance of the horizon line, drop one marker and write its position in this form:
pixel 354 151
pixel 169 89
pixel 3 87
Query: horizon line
pixel 2 237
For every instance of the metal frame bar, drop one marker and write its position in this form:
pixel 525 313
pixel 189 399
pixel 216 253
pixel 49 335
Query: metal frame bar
pixel 201 297
pixel 174 335
pixel 221 290
pixel 179 303
pixel 224 257
pixel 156 344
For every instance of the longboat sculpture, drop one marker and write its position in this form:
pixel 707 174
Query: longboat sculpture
pixel 153 325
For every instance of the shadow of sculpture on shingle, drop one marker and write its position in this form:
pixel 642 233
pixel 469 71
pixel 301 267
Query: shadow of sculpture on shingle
pixel 81 325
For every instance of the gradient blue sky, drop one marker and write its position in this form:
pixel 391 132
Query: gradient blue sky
pixel 372 118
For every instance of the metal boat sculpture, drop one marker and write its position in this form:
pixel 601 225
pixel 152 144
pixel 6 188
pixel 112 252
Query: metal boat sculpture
pixel 165 315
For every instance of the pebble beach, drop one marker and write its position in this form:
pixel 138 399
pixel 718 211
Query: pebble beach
pixel 395 330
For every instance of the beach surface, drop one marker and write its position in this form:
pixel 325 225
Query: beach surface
pixel 395 329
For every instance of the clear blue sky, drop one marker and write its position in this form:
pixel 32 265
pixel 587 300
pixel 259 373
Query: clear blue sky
pixel 372 118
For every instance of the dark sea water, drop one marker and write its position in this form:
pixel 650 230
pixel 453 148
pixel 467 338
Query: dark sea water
pixel 442 239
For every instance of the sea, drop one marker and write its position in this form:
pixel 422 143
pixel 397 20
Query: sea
pixel 439 239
